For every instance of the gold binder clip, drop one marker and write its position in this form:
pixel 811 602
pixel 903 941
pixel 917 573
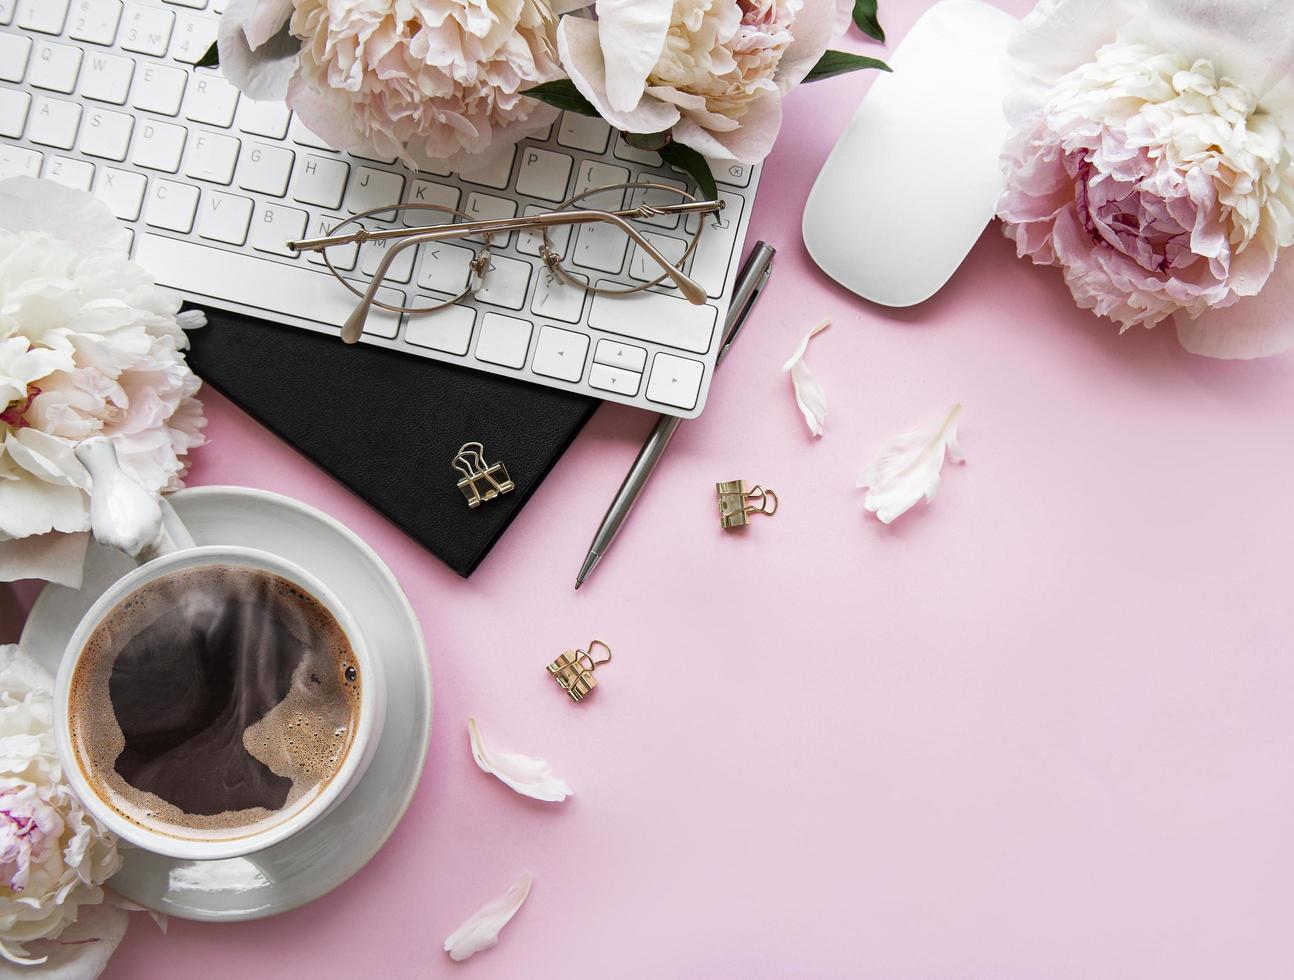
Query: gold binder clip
pixel 573 670
pixel 481 481
pixel 735 503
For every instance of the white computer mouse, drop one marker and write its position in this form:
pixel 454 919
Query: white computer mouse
pixel 911 184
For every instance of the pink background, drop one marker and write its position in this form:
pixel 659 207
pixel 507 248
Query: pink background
pixel 1038 729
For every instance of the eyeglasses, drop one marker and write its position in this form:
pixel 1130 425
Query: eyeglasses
pixel 651 209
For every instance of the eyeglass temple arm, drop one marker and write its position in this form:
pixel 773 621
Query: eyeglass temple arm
pixel 353 328
pixel 354 325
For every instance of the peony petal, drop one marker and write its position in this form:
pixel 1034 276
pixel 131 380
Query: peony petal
pixel 1257 326
pixel 82 950
pixel 481 930
pixel 76 217
pixel 815 26
pixel 265 19
pixel 808 393
pixel 631 34
pixel 750 143
pixel 523 774
pixel 53 557
pixel 321 117
pixel 907 469
pixel 581 54
pixel 262 72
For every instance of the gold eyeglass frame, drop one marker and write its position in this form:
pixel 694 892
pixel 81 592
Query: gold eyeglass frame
pixel 408 237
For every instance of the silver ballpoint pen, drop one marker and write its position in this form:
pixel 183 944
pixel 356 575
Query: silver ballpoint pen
pixel 754 274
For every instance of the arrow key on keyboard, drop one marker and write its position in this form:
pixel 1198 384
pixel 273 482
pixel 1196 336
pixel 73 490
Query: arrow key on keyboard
pixel 675 381
pixel 620 381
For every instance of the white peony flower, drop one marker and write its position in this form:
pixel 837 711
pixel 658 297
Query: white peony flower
pixel 1153 161
pixel 417 79
pixel 89 346
pixel 712 71
pixel 54 857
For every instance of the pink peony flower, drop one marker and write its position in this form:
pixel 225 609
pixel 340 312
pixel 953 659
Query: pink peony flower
pixel 712 71
pixel 1158 183
pixel 417 79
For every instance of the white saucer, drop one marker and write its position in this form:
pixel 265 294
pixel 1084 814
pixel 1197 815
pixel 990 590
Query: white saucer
pixel 321 857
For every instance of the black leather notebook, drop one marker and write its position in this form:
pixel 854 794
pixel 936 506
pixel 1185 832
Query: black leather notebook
pixel 388 425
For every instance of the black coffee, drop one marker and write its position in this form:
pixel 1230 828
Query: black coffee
pixel 214 701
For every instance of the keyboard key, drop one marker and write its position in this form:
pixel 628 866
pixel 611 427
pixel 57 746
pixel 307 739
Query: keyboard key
pixel 448 329
pixel 192 38
pixel 15 50
pixel 171 205
pixel 600 245
pixel 265 169
pixel 373 188
pixel 95 21
pixel 615 379
pixel 46 16
pixel 557 300
pixel 146 30
pixel 644 268
pixel 158 89
pixel 714 252
pixel 212 157
pixel 264 118
pixel 342 257
pixel 675 381
pixel 6 10
pixel 444 267
pixel 504 340
pixel 289 290
pixel 624 356
pixel 106 134
pixel 106 78
pixel 159 146
pixel 623 151
pixel 528 242
pixel 274 226
pixel 370 154
pixel 71 173
pixel 731 172
pixel 484 207
pixel 13 112
pixel 211 100
pixel 321 181
pixel 495 172
pixel 425 192
pixel 583 132
pixel 195 4
pixel 560 354
pixel 506 283
pixel 18 162
pixel 544 174
pixel 224 217
pixel 53 122
pixel 594 174
pixel 121 190
pixel 654 317
pixel 55 67
pixel 372 253
pixel 302 135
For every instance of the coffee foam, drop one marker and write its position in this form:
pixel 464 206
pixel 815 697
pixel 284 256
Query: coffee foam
pixel 303 739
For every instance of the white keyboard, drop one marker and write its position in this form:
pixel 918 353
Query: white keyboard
pixel 102 95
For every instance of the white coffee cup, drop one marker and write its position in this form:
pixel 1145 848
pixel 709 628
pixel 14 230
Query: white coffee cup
pixel 150 531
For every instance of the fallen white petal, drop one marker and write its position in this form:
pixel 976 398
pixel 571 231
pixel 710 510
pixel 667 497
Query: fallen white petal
pixel 523 773
pixel 808 393
pixel 81 951
pixel 907 469
pixel 481 930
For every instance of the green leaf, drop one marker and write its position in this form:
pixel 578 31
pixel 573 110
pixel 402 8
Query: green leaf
pixel 564 95
pixel 647 141
pixel 865 18
pixel 211 59
pixel 838 62
pixel 695 165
